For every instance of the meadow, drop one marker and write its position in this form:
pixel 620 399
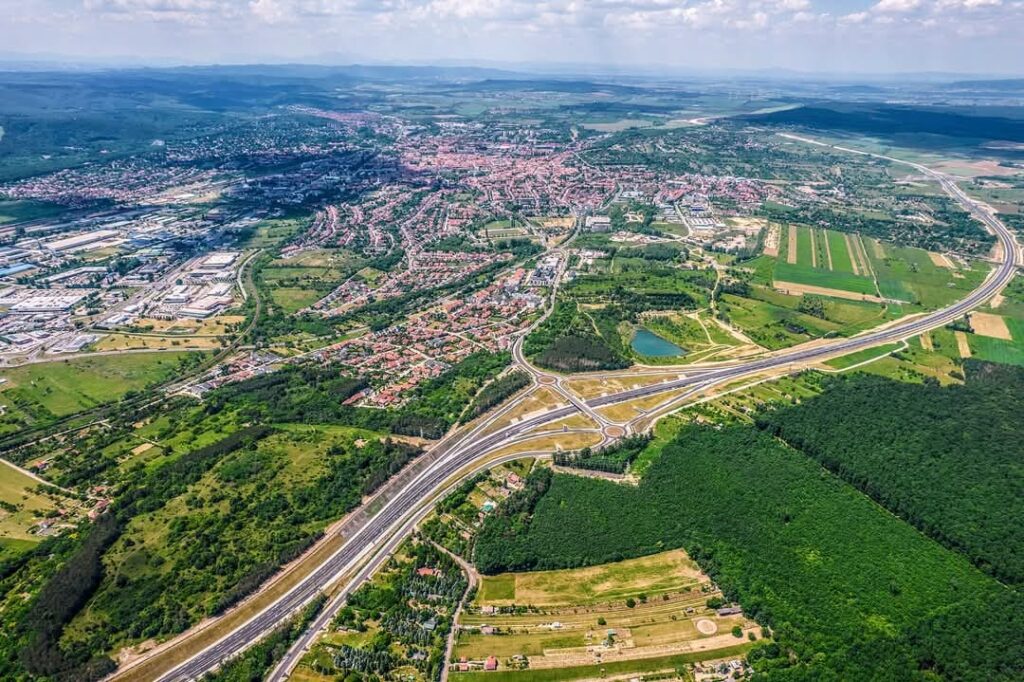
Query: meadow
pixel 55 389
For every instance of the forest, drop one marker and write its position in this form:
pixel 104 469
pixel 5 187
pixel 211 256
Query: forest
pixel 850 591
pixel 948 460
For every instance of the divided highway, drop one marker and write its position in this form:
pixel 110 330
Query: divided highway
pixel 396 519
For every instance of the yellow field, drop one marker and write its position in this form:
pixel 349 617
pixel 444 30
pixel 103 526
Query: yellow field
pixel 653 575
pixel 134 342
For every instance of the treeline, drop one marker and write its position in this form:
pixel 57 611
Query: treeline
pixel 947 460
pixel 502 540
pixel 850 591
pixel 496 392
pixel 57 603
pixel 614 459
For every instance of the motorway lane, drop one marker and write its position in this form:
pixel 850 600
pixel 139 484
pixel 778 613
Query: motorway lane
pixel 385 530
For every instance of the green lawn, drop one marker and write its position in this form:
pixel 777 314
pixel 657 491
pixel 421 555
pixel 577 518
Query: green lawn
pixel 862 356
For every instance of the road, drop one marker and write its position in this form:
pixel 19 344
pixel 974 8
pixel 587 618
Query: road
pixel 367 548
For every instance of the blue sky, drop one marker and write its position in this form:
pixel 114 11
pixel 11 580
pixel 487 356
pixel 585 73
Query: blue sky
pixel 810 35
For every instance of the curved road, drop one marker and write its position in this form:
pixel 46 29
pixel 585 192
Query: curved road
pixel 384 531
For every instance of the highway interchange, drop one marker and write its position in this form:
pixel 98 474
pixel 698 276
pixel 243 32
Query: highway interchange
pixel 474 447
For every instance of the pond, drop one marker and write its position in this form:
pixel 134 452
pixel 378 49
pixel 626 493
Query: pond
pixel 646 342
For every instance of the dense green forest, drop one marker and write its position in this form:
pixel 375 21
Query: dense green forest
pixel 947 460
pixel 497 392
pixel 851 592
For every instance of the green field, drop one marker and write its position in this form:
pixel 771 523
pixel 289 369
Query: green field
pixel 20 211
pixel 908 274
pixel 812 262
pixel 774 320
pixel 860 356
pixel 61 388
pixel 1000 350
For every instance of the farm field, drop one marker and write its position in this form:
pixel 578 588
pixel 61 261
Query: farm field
pixel 822 258
pixel 912 275
pixel 295 283
pixel 1007 351
pixel 654 575
pixel 631 614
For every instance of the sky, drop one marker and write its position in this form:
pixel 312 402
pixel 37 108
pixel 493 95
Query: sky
pixel 841 36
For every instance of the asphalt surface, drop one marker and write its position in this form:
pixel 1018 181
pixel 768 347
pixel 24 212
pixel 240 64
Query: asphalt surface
pixel 384 531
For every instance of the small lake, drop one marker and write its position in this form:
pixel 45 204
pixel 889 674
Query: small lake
pixel 648 343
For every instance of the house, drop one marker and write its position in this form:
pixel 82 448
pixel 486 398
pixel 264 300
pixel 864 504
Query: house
pixel 463 665
pixel 729 611
pixel 487 630
pixel 491 664
pixel 427 571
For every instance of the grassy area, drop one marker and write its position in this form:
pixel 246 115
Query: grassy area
pixel 776 320
pixel 1010 352
pixel 57 389
pixel 861 356
pixel 909 274
pixel 589 672
pixel 654 575
pixel 23 506
pixel 274 232
pixel 21 211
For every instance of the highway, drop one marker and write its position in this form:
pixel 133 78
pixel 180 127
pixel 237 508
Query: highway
pixel 365 549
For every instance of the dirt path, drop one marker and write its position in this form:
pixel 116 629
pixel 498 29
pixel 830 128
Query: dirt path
pixel 771 241
pixel 814 247
pixel 828 249
pixel 961 342
pixel 473 578
pixel 855 263
pixel 791 244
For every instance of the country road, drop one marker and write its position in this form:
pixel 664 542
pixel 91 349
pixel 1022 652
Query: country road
pixel 365 549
